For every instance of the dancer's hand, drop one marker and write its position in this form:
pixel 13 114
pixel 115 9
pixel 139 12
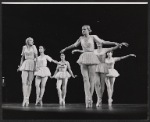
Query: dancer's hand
pixel 63 50
pixel 133 55
pixel 74 76
pixel 18 68
pixel 74 51
pixel 52 77
pixel 125 44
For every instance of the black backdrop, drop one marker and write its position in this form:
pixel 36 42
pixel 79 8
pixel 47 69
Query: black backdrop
pixel 57 26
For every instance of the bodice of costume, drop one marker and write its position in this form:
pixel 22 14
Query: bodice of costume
pixel 110 63
pixel 62 67
pixel 87 45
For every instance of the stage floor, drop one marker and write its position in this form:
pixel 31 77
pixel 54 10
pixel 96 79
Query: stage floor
pixel 75 111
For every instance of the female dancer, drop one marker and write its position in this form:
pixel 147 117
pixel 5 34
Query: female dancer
pixel 27 66
pixel 101 69
pixel 112 74
pixel 88 60
pixel 42 72
pixel 62 76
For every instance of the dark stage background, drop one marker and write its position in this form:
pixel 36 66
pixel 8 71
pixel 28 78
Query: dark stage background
pixel 58 26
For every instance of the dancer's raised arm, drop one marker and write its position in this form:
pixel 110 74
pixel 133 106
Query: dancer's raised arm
pixel 77 50
pixel 98 40
pixel 116 47
pixel 124 57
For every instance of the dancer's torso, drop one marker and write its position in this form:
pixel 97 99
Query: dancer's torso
pixel 62 67
pixel 42 61
pixel 87 44
pixel 29 52
pixel 110 63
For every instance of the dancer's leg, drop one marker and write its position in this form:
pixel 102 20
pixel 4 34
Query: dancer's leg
pixel 64 89
pixel 43 84
pixel 58 86
pixel 84 72
pixel 37 85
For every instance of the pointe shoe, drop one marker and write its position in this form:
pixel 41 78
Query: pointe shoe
pixel 37 101
pixel 89 103
pixel 63 102
pixel 110 102
pixel 40 101
pixel 99 102
pixel 27 102
pixel 24 102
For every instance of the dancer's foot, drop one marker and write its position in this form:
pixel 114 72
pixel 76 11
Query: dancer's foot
pixel 24 102
pixel 37 101
pixel 27 102
pixel 63 102
pixel 89 103
pixel 99 102
pixel 60 101
pixel 40 101
pixel 110 102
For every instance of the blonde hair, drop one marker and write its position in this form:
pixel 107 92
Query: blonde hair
pixel 88 27
pixel 28 39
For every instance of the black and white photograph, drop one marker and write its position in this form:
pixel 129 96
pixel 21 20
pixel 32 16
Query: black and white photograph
pixel 74 61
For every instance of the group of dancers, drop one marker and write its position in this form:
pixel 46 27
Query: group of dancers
pixel 95 68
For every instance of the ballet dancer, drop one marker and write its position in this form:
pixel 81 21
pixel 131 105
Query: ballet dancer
pixel 88 60
pixel 42 73
pixel 101 69
pixel 27 66
pixel 112 73
pixel 62 76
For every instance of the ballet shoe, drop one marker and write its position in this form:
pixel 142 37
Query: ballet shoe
pixel 27 102
pixel 99 102
pixel 89 103
pixel 24 102
pixel 63 102
pixel 60 102
pixel 37 101
pixel 40 101
pixel 110 102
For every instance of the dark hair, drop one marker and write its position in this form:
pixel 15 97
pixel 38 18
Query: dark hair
pixel 62 54
pixel 43 47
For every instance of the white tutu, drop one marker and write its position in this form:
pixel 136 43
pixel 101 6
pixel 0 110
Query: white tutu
pixel 62 75
pixel 43 72
pixel 112 73
pixel 88 58
pixel 28 65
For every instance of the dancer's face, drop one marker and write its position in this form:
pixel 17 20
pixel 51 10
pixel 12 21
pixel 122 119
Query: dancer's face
pixel 41 49
pixel 85 30
pixel 62 57
pixel 109 54
pixel 30 42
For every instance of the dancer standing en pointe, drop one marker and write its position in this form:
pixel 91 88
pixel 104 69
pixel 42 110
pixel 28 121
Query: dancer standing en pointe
pixel 42 73
pixel 112 73
pixel 62 76
pixel 88 60
pixel 27 66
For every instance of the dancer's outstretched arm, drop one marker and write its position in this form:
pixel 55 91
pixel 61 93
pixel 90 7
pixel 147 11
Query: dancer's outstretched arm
pixel 124 57
pixel 69 69
pixel 98 40
pixel 116 47
pixel 77 43
pixel 51 60
pixel 77 50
